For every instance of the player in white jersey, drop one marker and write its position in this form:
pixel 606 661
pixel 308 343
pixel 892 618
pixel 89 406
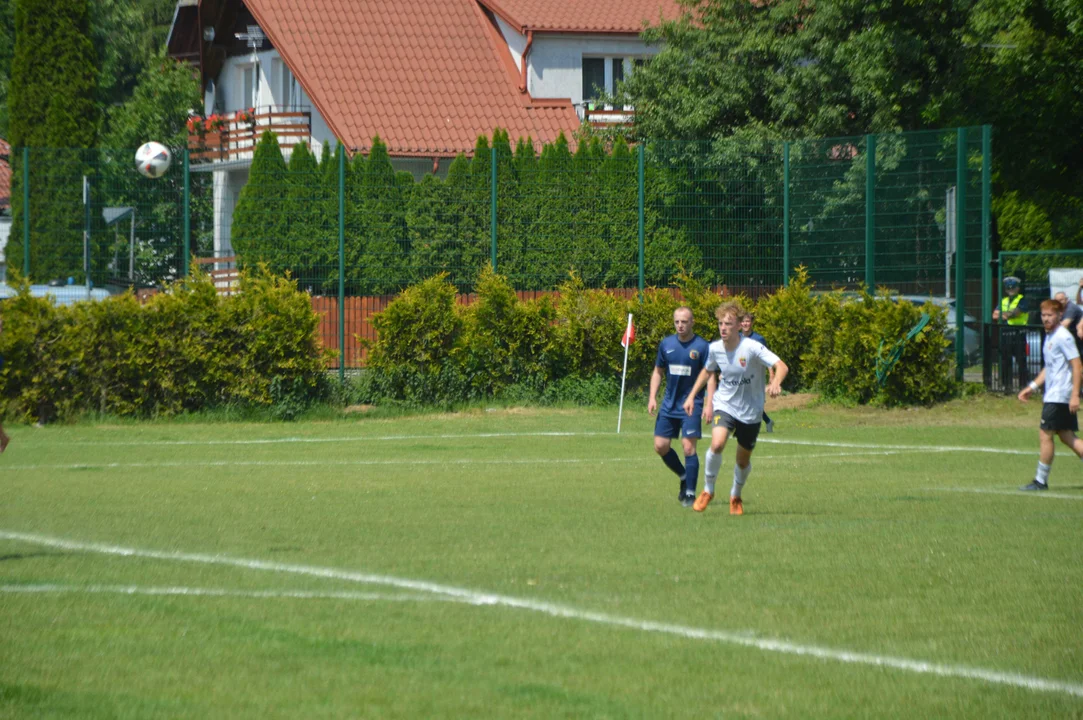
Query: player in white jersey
pixel 1061 375
pixel 734 376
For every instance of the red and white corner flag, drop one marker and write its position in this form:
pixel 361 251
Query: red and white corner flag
pixel 629 334
pixel 625 342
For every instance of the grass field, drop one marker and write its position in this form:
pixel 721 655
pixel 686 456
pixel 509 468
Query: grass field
pixel 481 565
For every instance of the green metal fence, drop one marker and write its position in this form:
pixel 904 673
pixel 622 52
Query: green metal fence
pixel 909 212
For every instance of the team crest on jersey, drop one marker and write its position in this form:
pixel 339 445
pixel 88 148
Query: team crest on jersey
pixel 743 361
pixel 694 354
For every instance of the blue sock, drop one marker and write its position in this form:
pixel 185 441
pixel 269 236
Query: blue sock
pixel 673 462
pixel 691 472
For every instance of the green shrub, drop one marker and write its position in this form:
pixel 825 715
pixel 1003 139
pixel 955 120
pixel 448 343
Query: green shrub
pixel 588 327
pixel 185 350
pixel 787 320
pixel 851 334
pixel 504 341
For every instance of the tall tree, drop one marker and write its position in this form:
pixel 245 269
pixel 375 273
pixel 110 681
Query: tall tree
pixel 158 110
pixel 52 110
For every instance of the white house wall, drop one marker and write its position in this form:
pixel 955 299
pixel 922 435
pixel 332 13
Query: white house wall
pixel 555 62
pixel 229 95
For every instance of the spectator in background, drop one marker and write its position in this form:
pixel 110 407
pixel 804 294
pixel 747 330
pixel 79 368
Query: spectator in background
pixel 1013 339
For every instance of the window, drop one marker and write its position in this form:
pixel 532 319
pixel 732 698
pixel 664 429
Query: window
pixel 593 77
pixel 285 85
pixel 250 85
pixel 618 71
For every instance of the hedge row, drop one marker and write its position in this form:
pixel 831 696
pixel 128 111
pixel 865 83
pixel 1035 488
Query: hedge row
pixel 187 349
pixel 555 208
pixel 431 350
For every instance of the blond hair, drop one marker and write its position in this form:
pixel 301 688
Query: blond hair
pixel 731 308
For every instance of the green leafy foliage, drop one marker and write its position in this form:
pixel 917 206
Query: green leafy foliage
pixel 786 320
pixel 187 349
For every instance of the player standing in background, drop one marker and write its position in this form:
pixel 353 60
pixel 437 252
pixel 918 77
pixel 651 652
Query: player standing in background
pixel 679 361
pixel 737 404
pixel 1062 375
pixel 748 332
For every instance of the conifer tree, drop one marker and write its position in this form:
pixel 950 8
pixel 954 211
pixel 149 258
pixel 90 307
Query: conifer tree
pixel 53 113
pixel 259 221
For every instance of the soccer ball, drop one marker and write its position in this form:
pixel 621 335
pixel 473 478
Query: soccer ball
pixel 152 159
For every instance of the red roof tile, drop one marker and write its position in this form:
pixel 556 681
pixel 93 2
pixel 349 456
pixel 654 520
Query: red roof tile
pixel 427 76
pixel 584 16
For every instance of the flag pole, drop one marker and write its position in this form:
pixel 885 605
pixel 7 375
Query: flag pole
pixel 626 341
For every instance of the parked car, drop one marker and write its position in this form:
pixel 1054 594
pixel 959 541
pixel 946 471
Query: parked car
pixel 61 294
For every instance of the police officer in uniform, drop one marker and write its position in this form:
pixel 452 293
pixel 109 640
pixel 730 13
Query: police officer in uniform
pixel 1013 310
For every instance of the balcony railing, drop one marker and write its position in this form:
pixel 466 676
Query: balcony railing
pixel 234 136
pixel 600 116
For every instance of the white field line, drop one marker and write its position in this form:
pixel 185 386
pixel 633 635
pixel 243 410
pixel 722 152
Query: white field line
pixel 488 461
pixel 470 436
pixel 325 463
pixel 1013 493
pixel 219 592
pixel 351 438
pixel 473 597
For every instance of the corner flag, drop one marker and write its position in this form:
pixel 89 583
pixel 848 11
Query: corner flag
pixel 629 335
pixel 628 339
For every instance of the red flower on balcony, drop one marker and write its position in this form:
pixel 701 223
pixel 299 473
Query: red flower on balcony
pixel 215 123
pixel 246 116
pixel 196 125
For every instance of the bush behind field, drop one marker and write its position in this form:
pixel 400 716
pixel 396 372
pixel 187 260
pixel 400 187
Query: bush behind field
pixel 432 351
pixel 185 350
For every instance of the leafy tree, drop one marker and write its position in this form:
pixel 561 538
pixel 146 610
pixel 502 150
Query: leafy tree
pixel 53 81
pixel 156 111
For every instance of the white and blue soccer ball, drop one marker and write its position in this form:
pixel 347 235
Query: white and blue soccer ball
pixel 152 159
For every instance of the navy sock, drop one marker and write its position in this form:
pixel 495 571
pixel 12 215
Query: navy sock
pixel 673 462
pixel 691 472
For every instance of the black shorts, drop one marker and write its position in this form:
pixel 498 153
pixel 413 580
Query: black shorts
pixel 1057 417
pixel 746 433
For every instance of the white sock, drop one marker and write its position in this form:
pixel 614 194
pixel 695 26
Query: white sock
pixel 711 465
pixel 1043 473
pixel 739 477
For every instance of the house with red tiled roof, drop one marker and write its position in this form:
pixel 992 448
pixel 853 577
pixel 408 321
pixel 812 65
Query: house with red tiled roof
pixel 426 76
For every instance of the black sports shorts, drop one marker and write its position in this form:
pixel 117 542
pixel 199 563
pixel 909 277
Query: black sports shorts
pixel 746 433
pixel 1056 417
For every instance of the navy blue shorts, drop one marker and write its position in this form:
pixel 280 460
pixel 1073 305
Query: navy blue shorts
pixel 684 426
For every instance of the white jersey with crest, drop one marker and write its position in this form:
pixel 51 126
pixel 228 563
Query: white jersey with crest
pixel 741 378
pixel 1059 350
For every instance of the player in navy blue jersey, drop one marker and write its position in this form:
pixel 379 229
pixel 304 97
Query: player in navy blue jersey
pixel 679 361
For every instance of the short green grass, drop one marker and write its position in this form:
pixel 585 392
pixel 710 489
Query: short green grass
pixel 611 599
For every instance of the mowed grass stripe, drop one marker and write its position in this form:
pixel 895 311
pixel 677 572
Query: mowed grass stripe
pixel 479 598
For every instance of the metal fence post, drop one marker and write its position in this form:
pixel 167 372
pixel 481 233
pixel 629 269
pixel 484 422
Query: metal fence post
pixel 960 251
pixel 492 204
pixel 986 195
pixel 187 216
pixel 642 216
pixel 341 263
pixel 870 212
pixel 786 214
pixel 26 213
